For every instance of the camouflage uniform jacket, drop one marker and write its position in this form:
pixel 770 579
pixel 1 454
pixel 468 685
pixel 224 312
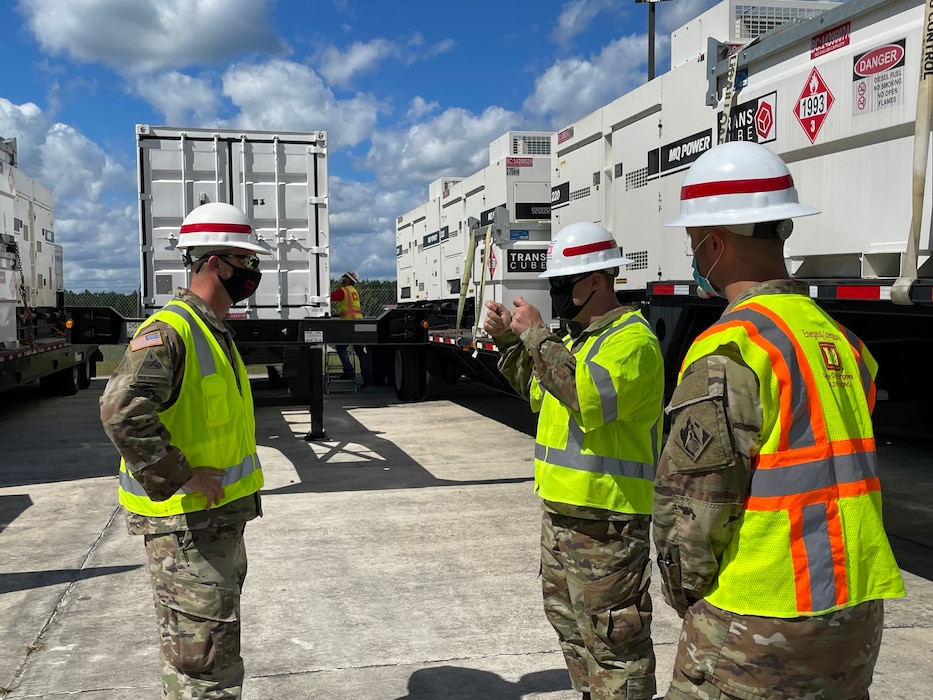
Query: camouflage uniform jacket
pixel 544 354
pixel 146 382
pixel 697 505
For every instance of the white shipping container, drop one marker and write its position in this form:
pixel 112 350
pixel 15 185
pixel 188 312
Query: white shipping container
pixel 278 179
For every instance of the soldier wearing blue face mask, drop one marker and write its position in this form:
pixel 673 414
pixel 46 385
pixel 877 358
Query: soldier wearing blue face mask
pixel 767 509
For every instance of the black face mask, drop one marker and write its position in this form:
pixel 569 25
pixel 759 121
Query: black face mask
pixel 242 284
pixel 562 298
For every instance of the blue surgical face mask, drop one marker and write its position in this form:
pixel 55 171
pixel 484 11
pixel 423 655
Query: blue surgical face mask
pixel 705 289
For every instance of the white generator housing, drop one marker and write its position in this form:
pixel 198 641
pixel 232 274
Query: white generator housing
pixel 278 179
pixel 835 97
pixel 433 240
pixel 26 218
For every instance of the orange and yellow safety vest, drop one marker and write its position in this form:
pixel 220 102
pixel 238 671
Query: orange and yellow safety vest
pixel 811 538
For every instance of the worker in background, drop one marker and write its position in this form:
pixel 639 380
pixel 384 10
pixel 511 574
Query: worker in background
pixel 347 299
pixel 599 395
pixel 767 511
pixel 179 410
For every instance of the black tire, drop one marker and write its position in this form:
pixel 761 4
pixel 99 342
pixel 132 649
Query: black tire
pixel 410 374
pixel 84 375
pixel 64 382
pixel 434 381
pixel 451 373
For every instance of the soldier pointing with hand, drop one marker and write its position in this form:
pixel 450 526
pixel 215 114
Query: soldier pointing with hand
pixel 599 393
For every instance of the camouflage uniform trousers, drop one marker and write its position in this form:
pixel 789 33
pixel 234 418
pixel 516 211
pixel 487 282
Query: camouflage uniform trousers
pixel 725 656
pixel 595 577
pixel 197 576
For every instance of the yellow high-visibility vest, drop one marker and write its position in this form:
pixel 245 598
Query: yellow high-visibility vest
pixel 349 306
pixel 605 456
pixel 211 422
pixel 811 538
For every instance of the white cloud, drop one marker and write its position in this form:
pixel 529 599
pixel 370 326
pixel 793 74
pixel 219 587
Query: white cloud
pixel 148 35
pixel 285 95
pixel 456 142
pixel 340 67
pixel 180 98
pixel 362 226
pixel 573 87
pixel 100 245
pixel 76 168
pixel 27 124
pixel 576 16
pixel 420 108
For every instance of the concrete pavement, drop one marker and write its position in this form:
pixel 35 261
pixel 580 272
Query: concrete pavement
pixel 398 559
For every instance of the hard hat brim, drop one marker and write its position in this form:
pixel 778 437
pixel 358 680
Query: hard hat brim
pixel 589 267
pixel 728 218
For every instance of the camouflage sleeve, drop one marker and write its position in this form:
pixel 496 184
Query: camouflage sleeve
pixel 146 381
pixel 542 354
pixel 554 365
pixel 515 363
pixel 704 473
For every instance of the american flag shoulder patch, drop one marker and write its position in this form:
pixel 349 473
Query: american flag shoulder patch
pixel 146 341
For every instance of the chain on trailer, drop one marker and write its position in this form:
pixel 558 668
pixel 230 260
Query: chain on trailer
pixel 26 318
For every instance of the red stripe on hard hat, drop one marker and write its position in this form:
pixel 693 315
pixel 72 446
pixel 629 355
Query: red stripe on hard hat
pixel 216 228
pixel 588 248
pixel 713 189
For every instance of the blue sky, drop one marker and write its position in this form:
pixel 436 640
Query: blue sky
pixel 407 91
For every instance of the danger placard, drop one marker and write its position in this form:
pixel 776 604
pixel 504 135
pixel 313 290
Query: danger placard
pixel 813 105
pixel 878 78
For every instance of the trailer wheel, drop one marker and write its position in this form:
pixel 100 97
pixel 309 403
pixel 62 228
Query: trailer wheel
pixel 434 373
pixel 410 374
pixel 64 382
pixel 84 375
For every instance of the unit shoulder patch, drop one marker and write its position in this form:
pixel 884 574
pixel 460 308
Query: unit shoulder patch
pixel 151 368
pixel 147 340
pixel 694 437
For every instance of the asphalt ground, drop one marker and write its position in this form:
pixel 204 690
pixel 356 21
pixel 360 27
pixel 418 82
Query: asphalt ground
pixel 397 559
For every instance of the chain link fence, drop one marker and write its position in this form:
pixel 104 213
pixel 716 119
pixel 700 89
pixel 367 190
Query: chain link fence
pixel 127 305
pixel 375 296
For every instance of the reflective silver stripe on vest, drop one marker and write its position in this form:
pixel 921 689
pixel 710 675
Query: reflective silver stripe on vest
pixel 810 476
pixel 571 457
pixel 201 345
pixel 231 475
pixel 819 550
pixel 800 433
pixel 864 371
pixel 608 396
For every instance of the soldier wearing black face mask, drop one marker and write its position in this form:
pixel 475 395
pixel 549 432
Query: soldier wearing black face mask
pixel 598 392
pixel 180 412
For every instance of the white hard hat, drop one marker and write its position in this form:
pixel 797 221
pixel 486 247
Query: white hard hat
pixel 582 247
pixel 738 182
pixel 352 276
pixel 217 225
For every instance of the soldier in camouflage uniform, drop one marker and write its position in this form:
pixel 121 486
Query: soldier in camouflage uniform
pixel 188 498
pixel 792 608
pixel 599 392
